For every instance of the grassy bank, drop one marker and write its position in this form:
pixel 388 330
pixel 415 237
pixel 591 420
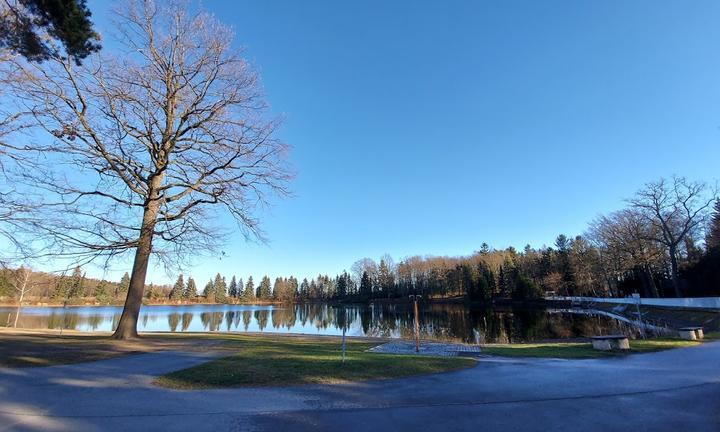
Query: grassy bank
pixel 580 350
pixel 277 360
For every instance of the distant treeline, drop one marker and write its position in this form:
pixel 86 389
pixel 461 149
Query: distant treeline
pixel 665 243
pixel 73 288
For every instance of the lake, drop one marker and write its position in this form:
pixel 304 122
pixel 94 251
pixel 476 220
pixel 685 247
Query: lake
pixel 448 322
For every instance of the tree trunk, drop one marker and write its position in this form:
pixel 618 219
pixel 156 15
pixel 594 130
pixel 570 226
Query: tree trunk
pixel 17 313
pixel 651 282
pixel 674 271
pixel 127 327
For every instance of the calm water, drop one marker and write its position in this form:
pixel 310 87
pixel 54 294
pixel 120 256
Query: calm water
pixel 438 321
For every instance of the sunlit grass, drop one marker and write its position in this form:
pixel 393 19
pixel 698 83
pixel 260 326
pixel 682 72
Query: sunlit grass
pixel 275 360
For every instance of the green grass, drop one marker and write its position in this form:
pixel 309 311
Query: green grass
pixel 580 350
pixel 280 360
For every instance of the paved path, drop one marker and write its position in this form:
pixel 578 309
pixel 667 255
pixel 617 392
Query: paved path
pixel 667 391
pixel 427 348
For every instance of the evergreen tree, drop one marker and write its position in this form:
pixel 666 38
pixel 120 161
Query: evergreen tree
pixel 365 286
pixel 525 289
pixel 279 289
pixel 313 290
pixel 209 291
pixel 341 290
pixel 249 294
pixel 386 280
pixel 240 288
pixel 233 289
pixel 35 29
pixel 76 284
pixel 176 293
pixel 123 286
pixel 220 289
pixel 62 288
pixel 102 292
pixel 292 287
pixel 190 291
pixel 264 289
pixel 304 290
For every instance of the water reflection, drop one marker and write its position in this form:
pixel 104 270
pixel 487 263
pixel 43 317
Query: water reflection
pixel 438 321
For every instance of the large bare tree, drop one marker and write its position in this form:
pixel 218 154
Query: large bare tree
pixel 622 241
pixel 675 210
pixel 148 142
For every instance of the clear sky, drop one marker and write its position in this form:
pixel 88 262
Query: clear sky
pixel 429 127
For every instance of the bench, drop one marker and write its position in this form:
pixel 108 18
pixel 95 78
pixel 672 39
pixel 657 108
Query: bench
pixel 611 342
pixel 691 333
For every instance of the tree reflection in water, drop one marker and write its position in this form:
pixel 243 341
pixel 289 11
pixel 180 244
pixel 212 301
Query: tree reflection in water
pixel 452 322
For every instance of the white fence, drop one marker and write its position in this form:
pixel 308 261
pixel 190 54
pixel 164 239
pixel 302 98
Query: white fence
pixel 686 302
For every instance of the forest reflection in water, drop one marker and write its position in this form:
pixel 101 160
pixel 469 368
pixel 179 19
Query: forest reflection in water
pixel 452 322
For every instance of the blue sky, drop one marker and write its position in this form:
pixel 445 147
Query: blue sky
pixel 424 127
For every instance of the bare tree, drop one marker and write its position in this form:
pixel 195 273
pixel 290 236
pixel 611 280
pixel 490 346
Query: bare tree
pixel 148 144
pixel 21 284
pixel 15 207
pixel 623 245
pixel 364 265
pixel 675 210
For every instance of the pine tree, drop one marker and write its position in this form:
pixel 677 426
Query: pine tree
pixel 123 286
pixel 190 291
pixel 386 280
pixel 177 290
pixel 279 289
pixel 365 286
pixel 76 284
pixel 233 289
pixel 264 289
pixel 209 291
pixel 102 293
pixel 240 288
pixel 293 287
pixel 220 289
pixel 249 294
pixel 36 29
pixel 62 287
pixel 304 291
pixel 341 286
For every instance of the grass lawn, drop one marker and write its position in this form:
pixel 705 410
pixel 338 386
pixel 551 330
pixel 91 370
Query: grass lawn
pixel 263 360
pixel 579 350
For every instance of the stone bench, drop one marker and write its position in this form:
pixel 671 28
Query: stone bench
pixel 691 333
pixel 611 342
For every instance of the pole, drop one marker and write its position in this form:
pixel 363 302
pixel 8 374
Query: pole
pixel 343 335
pixel 639 314
pixel 415 299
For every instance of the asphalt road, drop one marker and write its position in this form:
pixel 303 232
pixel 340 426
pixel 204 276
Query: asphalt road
pixel 667 391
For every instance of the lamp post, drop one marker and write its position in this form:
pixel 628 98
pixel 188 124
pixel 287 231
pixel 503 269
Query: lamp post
pixel 415 299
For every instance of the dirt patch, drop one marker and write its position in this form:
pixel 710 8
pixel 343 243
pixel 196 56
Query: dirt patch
pixel 27 348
